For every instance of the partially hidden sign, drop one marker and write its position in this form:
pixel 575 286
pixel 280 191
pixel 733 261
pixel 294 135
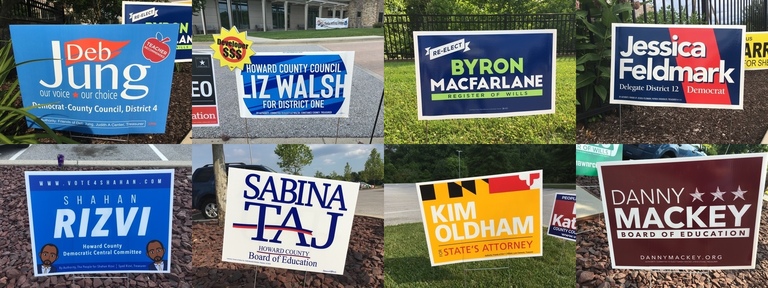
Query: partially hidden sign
pixel 686 213
pixel 296 85
pixel 160 13
pixel 285 221
pixel 84 222
pixel 587 156
pixel 756 51
pixel 205 110
pixel 331 23
pixel 482 218
pixel 468 74
pixel 97 79
pixel 562 224
pixel 693 66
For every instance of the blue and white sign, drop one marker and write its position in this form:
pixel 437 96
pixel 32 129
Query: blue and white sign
pixel 296 85
pixel 160 13
pixel 286 221
pixel 100 221
pixel 96 79
pixel 481 74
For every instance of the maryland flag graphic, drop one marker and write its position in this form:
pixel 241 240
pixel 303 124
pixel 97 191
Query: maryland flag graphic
pixel 482 218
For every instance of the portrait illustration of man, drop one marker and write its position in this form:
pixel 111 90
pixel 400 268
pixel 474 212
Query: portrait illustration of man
pixel 48 255
pixel 156 251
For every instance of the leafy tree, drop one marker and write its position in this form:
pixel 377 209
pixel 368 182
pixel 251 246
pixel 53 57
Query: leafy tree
pixel 334 176
pixel 319 174
pixel 293 157
pixel 374 168
pixel 347 173
pixel 667 15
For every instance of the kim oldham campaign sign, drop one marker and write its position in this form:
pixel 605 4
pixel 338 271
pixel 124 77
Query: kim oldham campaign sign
pixel 478 74
pixel 96 79
pixel 684 213
pixel 296 85
pixel 85 222
pixel 286 221
pixel 160 13
pixel 693 66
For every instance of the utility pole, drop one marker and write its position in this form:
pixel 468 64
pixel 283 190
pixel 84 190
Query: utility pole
pixel 459 162
pixel 220 176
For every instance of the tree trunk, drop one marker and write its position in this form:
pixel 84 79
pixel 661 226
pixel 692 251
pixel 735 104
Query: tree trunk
pixel 220 174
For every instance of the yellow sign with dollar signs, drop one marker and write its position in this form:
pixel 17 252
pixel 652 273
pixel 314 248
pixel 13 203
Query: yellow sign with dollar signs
pixel 232 48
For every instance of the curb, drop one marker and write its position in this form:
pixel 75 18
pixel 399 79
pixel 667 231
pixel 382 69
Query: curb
pixel 324 140
pixel 372 216
pixel 97 163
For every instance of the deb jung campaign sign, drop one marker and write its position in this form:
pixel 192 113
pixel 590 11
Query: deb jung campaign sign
pixel 309 84
pixel 286 221
pixel 100 221
pixel 686 213
pixel 160 13
pixel 96 79
pixel 475 74
pixel 694 66
pixel 562 224
pixel 482 218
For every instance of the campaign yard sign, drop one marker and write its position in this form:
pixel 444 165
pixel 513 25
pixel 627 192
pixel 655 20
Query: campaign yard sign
pixel 331 23
pixel 684 213
pixel 756 51
pixel 286 221
pixel 562 224
pixel 84 222
pixel 296 85
pixel 692 66
pixel 482 218
pixel 205 111
pixel 160 13
pixel 96 79
pixel 587 156
pixel 472 74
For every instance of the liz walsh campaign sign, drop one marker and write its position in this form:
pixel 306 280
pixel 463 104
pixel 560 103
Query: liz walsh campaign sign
pixel 161 13
pixel 286 221
pixel 477 74
pixel 296 85
pixel 693 66
pixel 686 213
pixel 84 222
pixel 96 79
pixel 562 224
pixel 482 218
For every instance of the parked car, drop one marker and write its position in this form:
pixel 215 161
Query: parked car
pixel 364 185
pixel 653 151
pixel 204 187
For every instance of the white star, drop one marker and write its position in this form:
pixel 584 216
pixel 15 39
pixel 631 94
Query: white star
pixel 202 62
pixel 697 196
pixel 718 194
pixel 739 194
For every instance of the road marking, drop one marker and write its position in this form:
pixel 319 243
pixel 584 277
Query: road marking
pixel 401 211
pixel 19 153
pixel 159 154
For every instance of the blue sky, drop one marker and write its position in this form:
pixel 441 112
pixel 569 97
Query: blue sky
pixel 327 157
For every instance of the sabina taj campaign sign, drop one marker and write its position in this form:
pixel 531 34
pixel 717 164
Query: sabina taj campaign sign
pixel 85 222
pixel 475 74
pixel 684 213
pixel 482 218
pixel 285 221
pixel 694 66
pixel 97 79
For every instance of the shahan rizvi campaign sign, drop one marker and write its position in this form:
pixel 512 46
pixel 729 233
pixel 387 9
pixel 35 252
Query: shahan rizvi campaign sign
pixel 85 222
pixel 296 85
pixel 286 221
pixel 693 66
pixel 479 74
pixel 482 218
pixel 684 213
pixel 96 79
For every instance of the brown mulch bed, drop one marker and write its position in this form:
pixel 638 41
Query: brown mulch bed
pixel 641 124
pixel 364 261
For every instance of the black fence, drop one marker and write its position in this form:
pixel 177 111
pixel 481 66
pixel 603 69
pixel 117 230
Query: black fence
pixel 398 29
pixel 30 12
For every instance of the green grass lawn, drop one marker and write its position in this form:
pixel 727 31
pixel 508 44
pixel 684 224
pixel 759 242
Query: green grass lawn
pixel 407 264
pixel 300 34
pixel 202 38
pixel 402 127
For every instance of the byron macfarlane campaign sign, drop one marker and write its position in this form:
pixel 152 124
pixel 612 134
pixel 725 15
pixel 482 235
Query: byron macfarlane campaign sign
pixel 331 23
pixel 85 222
pixel 587 156
pixel 693 66
pixel 468 74
pixel 161 13
pixel 482 218
pixel 97 79
pixel 296 85
pixel 205 110
pixel 562 224
pixel 286 221
pixel 756 51
pixel 684 213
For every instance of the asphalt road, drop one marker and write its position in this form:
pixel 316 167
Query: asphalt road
pixel 99 152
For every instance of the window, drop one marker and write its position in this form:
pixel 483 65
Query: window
pixel 381 17
pixel 360 14
pixel 203 175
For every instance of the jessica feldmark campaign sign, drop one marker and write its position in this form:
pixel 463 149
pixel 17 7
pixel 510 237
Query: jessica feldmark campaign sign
pixel 482 218
pixel 562 224
pixel 160 13
pixel 85 222
pixel 684 213
pixel 96 79
pixel 296 85
pixel 473 74
pixel 286 221
pixel 205 111
pixel 693 66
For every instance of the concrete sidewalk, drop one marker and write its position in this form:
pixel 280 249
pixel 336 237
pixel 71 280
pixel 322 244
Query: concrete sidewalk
pixel 587 204
pixel 97 163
